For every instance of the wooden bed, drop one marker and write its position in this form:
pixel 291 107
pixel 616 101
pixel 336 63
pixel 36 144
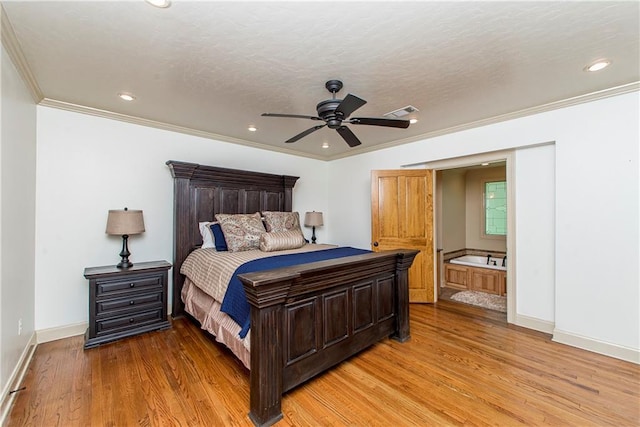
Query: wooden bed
pixel 304 319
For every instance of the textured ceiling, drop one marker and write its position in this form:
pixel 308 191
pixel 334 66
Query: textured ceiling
pixel 214 67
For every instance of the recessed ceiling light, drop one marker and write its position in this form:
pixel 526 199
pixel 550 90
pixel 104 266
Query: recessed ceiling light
pixel 126 96
pixel 325 145
pixel 412 121
pixel 252 128
pixel 598 65
pixel 159 3
pixel 484 164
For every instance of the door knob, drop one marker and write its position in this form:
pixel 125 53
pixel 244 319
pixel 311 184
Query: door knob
pixel 375 244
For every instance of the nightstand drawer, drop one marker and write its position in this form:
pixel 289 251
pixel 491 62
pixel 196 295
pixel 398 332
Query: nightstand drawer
pixel 109 287
pixel 111 307
pixel 133 321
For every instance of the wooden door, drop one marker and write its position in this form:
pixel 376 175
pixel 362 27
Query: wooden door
pixel 402 217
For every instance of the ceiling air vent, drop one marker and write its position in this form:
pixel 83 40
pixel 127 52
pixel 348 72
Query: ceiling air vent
pixel 402 112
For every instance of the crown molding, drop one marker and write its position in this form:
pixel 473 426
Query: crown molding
pixel 46 102
pixel 12 46
pixel 593 96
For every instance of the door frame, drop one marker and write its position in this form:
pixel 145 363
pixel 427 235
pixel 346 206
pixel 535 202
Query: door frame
pixel 507 156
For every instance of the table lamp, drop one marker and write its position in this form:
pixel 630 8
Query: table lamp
pixel 313 220
pixel 125 223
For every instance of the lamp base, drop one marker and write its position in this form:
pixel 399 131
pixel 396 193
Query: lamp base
pixel 124 264
pixel 313 235
pixel 124 254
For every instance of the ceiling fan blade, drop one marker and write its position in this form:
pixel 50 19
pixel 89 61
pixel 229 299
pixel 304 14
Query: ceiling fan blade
pixel 375 121
pixel 348 136
pixel 350 104
pixel 305 133
pixel 295 116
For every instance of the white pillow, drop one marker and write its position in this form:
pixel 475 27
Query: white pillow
pixel 207 235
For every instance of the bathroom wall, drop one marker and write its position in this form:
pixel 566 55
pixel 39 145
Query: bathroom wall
pixel 453 203
pixel 474 185
pixel 460 193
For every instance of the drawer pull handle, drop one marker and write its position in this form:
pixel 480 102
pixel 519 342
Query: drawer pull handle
pixel 132 302
pixel 131 285
pixel 131 320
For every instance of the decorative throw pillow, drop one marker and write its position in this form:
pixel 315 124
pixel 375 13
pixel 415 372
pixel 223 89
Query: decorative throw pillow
pixel 282 221
pixel 281 240
pixel 207 237
pixel 241 231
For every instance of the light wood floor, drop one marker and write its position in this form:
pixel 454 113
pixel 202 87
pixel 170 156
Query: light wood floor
pixel 463 366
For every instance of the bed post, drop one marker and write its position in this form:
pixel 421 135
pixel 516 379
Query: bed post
pixel 287 184
pixel 403 262
pixel 267 299
pixel 182 173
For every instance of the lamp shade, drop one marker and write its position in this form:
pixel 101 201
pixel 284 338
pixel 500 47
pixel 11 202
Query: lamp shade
pixel 125 222
pixel 313 219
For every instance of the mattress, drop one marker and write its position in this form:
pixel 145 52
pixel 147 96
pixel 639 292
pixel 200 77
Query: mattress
pixel 207 276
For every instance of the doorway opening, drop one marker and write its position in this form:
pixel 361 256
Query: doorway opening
pixel 463 206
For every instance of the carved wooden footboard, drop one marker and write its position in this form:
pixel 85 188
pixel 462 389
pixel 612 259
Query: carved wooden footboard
pixel 308 318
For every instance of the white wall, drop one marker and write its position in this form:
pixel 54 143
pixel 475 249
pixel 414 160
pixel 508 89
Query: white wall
pixel 88 165
pixel 17 218
pixel 596 212
pixel 535 233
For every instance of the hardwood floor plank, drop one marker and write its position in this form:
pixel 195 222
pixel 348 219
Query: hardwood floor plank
pixel 462 366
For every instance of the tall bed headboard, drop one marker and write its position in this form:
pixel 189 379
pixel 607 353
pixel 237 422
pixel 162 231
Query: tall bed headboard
pixel 200 192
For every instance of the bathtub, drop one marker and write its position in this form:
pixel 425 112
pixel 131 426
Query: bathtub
pixel 479 261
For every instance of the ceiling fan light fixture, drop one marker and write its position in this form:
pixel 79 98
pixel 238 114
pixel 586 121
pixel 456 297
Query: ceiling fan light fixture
pixel 598 65
pixel 413 121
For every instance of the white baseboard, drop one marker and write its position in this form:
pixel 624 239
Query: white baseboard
pixel 535 324
pixel 52 334
pixel 38 337
pixel 16 378
pixel 601 347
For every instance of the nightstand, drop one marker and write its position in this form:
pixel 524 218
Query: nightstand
pixel 126 302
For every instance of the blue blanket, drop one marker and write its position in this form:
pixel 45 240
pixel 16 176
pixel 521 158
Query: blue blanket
pixel 235 302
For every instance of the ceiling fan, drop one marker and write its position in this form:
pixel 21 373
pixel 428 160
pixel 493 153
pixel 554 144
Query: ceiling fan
pixel 335 113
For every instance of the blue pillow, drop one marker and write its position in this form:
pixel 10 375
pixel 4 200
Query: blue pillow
pixel 218 236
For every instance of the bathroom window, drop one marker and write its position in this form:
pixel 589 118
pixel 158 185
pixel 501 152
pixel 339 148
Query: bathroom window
pixel 495 208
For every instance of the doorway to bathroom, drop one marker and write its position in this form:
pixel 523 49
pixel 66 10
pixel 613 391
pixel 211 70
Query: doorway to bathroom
pixel 474 228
